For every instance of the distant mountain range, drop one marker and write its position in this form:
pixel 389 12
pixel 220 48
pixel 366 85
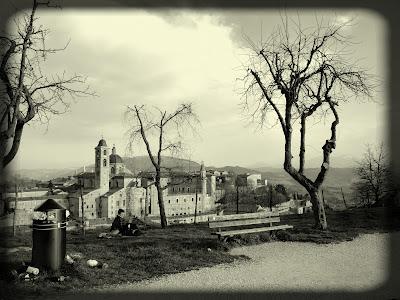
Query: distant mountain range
pixel 337 177
pixel 338 180
pixel 337 161
pixel 134 164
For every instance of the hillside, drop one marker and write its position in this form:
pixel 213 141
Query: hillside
pixel 233 169
pixel 134 164
pixel 143 163
pixel 337 177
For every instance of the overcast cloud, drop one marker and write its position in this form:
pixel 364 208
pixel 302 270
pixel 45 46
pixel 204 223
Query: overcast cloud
pixel 165 57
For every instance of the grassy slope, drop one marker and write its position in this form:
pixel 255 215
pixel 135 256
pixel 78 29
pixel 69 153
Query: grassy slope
pixel 176 249
pixel 157 252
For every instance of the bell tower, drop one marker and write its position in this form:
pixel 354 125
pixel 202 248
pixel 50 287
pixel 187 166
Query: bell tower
pixel 102 166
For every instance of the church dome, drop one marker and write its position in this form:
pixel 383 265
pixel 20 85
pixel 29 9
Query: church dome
pixel 102 143
pixel 115 158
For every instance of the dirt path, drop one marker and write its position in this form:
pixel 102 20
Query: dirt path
pixel 357 265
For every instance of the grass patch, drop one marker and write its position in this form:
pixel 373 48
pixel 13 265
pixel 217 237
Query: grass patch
pixel 342 225
pixel 157 252
pixel 175 249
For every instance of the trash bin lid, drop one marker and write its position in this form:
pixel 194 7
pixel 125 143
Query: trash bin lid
pixel 49 204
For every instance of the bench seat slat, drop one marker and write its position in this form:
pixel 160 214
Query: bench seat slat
pixel 244 216
pixel 228 223
pixel 252 230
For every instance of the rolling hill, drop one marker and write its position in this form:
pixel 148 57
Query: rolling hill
pixel 337 179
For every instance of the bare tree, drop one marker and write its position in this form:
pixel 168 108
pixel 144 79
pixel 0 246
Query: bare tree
pixel 373 171
pixel 167 128
pixel 298 73
pixel 27 93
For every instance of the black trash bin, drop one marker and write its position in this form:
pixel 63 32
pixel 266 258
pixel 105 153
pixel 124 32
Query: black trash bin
pixel 49 235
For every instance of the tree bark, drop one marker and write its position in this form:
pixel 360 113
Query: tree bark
pixel 318 210
pixel 15 145
pixel 163 218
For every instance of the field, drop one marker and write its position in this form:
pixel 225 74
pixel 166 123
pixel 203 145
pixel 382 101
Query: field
pixel 175 249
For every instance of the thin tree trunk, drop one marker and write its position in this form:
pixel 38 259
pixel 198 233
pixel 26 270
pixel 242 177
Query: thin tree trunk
pixel 195 207
pixel 318 210
pixel 270 198
pixel 146 202
pixel 83 213
pixel 161 205
pixel 15 210
pixel 237 199
pixel 344 200
pixel 323 198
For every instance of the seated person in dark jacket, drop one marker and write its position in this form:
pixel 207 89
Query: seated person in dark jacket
pixel 120 226
pixel 117 226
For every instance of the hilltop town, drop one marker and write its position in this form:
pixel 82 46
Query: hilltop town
pixel 189 195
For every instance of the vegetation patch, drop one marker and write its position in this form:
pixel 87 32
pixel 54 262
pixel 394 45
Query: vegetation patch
pixel 175 249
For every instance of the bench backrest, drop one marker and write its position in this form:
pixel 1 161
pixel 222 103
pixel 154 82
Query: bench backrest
pixel 243 219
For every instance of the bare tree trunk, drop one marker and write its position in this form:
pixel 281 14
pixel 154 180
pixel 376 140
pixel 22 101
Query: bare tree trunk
pixel 15 210
pixel 15 145
pixel 146 203
pixel 83 213
pixel 344 200
pixel 237 199
pixel 195 206
pixel 318 210
pixel 161 204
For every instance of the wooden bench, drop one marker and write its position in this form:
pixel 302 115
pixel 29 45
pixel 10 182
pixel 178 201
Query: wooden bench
pixel 230 225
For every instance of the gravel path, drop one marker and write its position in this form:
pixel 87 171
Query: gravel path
pixel 279 266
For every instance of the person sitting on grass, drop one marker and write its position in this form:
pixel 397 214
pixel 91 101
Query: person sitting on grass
pixel 117 226
pixel 121 227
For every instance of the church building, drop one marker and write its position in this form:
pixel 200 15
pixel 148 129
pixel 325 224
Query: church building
pixel 112 186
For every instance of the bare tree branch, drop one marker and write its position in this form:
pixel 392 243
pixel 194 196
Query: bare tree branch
pixel 298 76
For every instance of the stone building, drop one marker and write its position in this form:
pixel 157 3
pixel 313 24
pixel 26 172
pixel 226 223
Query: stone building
pixel 248 180
pixel 184 194
pixel 111 187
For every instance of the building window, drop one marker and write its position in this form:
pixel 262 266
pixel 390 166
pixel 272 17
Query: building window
pixel 169 201
pixel 188 189
pixel 192 199
pixel 177 200
pixel 92 205
pixel 87 206
pixel 105 152
pixel 173 189
pixel 92 214
pixel 184 200
pixel 123 203
pixel 112 170
pixel 105 162
pixel 117 203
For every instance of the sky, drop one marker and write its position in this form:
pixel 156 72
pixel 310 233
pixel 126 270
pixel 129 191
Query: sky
pixel 163 57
